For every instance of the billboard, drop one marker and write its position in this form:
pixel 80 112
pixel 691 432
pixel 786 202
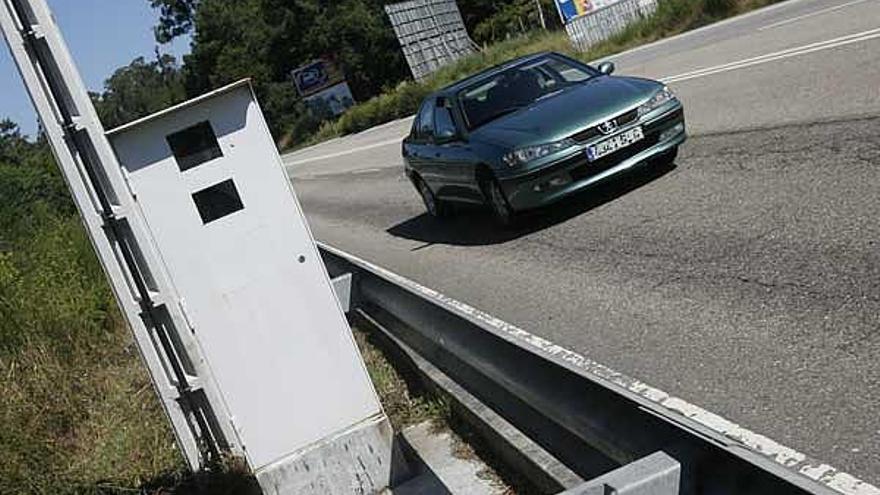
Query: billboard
pixel 569 9
pixel 316 76
pixel 332 101
pixel 431 34
pixel 322 85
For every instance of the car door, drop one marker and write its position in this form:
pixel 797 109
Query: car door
pixel 417 147
pixel 452 156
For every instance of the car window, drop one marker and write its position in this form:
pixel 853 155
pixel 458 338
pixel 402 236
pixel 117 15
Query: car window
pixel 518 87
pixel 566 72
pixel 425 127
pixel 443 123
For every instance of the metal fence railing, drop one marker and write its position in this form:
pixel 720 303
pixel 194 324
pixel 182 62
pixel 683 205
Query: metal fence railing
pixel 431 33
pixel 589 29
pixel 584 416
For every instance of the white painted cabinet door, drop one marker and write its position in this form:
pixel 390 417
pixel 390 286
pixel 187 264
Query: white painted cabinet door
pixel 248 271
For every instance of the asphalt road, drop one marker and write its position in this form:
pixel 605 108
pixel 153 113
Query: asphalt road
pixel 746 279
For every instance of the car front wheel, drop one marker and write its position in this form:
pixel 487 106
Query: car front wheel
pixel 504 214
pixel 434 206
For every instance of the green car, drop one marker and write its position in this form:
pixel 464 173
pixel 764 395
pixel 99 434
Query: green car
pixel 529 132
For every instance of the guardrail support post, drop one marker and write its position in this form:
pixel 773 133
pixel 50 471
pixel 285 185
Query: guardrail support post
pixel 342 289
pixel 656 474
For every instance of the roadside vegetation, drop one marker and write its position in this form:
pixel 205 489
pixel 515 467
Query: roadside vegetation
pixel 404 405
pixel 78 414
pixel 77 411
pixel 266 39
pixel 672 17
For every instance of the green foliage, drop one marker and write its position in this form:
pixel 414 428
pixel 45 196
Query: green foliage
pixel 139 89
pixel 77 411
pixel 76 407
pixel 175 18
pixel 404 99
pixel 505 19
pixel 28 184
pixel 672 17
pixel 266 39
pixel 405 406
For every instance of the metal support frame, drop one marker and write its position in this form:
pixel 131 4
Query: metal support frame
pixel 118 232
pixel 656 474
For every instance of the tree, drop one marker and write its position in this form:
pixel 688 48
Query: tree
pixel 139 89
pixel 175 18
pixel 266 40
pixel 489 21
pixel 28 181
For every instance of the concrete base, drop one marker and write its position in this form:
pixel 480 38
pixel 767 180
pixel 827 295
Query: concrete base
pixel 364 460
pixel 439 470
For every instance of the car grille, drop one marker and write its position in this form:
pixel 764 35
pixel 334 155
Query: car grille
pixel 593 132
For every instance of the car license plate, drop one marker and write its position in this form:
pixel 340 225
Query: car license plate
pixel 614 143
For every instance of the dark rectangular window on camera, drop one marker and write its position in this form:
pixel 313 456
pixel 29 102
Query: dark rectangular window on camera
pixel 217 201
pixel 194 145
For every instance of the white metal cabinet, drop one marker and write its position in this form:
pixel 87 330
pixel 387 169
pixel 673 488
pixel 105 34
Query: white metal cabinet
pixel 249 277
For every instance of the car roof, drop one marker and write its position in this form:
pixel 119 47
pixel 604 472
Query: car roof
pixel 452 89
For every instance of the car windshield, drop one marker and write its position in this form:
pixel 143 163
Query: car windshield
pixel 518 87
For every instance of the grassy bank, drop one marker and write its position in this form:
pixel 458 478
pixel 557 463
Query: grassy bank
pixel 78 414
pixel 672 17
pixel 77 411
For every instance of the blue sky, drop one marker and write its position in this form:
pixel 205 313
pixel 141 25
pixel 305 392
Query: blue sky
pixel 101 34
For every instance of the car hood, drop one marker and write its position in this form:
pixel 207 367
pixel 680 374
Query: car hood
pixel 568 112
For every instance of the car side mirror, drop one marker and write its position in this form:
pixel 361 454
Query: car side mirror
pixel 606 68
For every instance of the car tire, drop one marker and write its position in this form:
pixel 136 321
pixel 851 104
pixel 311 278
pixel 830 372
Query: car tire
pixel 435 207
pixel 504 214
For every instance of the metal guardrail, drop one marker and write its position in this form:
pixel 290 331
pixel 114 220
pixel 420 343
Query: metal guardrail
pixel 588 416
pixel 589 29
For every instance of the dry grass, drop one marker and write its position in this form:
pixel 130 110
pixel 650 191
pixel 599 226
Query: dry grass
pixel 405 406
pixel 76 406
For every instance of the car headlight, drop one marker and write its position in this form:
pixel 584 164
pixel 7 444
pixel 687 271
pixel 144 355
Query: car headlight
pixel 659 98
pixel 531 153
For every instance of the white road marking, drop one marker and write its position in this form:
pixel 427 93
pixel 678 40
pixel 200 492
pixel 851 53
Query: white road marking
pixel 292 161
pixel 811 14
pixel 771 57
pixel 791 459
pixel 687 34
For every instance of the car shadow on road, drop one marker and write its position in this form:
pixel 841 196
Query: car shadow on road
pixel 475 226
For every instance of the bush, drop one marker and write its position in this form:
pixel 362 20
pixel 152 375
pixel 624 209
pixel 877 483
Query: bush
pixel 77 410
